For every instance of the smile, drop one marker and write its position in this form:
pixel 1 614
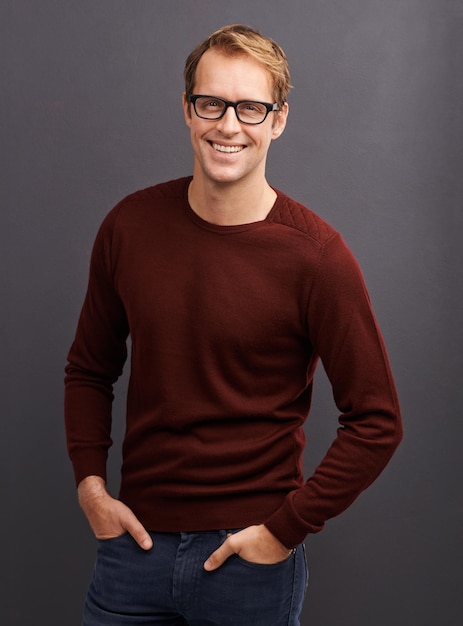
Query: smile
pixel 228 149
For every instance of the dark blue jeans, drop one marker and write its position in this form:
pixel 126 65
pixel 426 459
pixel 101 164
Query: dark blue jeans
pixel 168 585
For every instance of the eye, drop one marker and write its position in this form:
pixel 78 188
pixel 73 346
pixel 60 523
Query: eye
pixel 209 105
pixel 252 107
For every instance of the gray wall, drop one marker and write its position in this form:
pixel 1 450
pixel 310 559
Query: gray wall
pixel 90 112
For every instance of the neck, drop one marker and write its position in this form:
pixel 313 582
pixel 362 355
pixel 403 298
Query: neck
pixel 227 204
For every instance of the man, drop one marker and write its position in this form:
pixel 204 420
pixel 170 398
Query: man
pixel 231 292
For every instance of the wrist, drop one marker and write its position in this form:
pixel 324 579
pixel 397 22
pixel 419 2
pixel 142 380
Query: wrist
pixel 91 488
pixel 274 538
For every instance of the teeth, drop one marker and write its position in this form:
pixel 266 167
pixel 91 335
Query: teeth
pixel 220 148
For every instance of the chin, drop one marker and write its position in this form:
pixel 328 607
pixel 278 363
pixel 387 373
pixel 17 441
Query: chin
pixel 224 177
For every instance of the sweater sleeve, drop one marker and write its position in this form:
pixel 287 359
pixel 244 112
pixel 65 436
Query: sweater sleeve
pixel 345 334
pixel 95 362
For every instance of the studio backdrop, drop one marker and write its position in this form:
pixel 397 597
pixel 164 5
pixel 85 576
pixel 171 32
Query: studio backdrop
pixel 91 111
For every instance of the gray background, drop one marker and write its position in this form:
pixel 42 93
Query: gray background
pixel 90 112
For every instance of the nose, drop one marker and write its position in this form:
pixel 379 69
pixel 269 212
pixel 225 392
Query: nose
pixel 229 123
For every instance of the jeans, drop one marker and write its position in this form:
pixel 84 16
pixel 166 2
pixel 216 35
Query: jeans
pixel 168 585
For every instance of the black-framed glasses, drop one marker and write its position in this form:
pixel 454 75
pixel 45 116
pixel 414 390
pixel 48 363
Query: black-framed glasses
pixel 247 111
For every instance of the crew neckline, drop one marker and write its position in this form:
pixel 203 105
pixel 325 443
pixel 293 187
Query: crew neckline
pixel 224 229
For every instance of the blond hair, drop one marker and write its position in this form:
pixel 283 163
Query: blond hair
pixel 236 40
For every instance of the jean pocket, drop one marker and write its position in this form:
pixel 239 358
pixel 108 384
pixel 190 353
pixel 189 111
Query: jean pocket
pixel 277 565
pixel 108 540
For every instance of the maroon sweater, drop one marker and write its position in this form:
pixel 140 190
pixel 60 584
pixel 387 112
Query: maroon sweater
pixel 227 324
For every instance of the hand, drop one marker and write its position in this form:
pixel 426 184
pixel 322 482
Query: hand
pixel 255 544
pixel 108 517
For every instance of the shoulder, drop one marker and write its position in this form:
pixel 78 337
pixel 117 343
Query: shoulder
pixel 147 202
pixel 307 231
pixel 296 217
pixel 171 190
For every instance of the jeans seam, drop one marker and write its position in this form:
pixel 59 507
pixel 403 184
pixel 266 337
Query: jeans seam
pixel 291 606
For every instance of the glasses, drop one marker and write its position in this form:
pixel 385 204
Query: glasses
pixel 247 111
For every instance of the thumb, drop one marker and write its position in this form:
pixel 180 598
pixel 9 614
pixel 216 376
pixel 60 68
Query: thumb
pixel 134 527
pixel 219 557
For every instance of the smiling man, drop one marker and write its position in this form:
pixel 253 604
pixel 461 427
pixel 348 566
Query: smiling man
pixel 231 293
pixel 229 185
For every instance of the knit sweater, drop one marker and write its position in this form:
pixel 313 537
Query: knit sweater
pixel 227 324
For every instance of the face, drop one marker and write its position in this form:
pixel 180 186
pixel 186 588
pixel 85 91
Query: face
pixel 225 150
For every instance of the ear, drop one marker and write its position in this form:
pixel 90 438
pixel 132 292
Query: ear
pixel 280 121
pixel 186 110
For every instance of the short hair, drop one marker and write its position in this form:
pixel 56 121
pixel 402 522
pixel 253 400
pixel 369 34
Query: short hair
pixel 239 39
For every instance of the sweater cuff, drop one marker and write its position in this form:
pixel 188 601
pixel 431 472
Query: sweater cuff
pixel 287 525
pixel 88 463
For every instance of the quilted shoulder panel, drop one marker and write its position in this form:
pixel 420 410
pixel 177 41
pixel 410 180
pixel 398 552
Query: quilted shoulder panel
pixel 297 216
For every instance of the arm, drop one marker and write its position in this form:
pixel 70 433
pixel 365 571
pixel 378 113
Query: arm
pixel 95 362
pixel 96 359
pixel 344 333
